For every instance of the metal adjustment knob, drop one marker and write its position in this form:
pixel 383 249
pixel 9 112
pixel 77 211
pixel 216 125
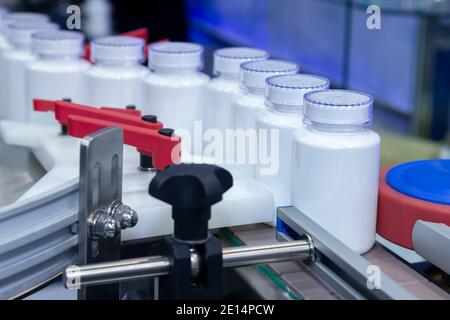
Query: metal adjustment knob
pixel 191 190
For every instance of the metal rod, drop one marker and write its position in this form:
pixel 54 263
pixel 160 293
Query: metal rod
pixel 138 268
pixel 246 255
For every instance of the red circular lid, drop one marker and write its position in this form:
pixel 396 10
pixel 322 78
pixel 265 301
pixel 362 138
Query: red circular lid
pixel 397 213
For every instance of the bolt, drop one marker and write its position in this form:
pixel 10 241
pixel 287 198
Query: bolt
pixel 128 217
pixel 123 214
pixel 74 228
pixel 104 225
pixel 111 227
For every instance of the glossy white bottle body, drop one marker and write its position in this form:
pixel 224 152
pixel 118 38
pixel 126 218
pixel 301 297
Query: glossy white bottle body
pixel 277 176
pixel 335 182
pixel 13 80
pixel 218 111
pixel 53 79
pixel 178 100
pixel 111 85
pixel 245 108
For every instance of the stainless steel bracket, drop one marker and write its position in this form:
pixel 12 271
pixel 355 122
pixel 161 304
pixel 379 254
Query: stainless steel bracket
pixel 101 157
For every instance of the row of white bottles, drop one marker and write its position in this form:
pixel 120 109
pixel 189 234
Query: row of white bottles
pixel 15 43
pixel 14 63
pixel 221 89
pixel 283 113
pixel 328 168
pixel 248 102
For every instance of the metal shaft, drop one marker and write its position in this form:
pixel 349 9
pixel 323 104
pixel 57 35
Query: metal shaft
pixel 133 269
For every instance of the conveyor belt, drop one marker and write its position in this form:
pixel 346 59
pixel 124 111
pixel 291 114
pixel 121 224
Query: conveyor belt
pixel 309 285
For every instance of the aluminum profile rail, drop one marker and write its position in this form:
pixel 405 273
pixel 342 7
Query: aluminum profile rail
pixel 37 242
pixel 347 265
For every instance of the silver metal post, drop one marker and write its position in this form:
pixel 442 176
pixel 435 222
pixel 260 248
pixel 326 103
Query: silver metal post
pixel 133 269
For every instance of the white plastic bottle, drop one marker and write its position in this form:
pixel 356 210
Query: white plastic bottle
pixel 5 20
pixel 115 79
pixel 57 72
pixel 336 166
pixel 175 88
pixel 248 102
pixel 283 115
pixel 14 64
pixel 97 21
pixel 220 90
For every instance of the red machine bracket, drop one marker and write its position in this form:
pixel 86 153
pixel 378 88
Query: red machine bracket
pixel 149 137
pixel 63 109
pixel 162 145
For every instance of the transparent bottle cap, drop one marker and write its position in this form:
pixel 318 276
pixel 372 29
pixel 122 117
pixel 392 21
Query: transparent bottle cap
pixel 289 89
pixel 169 55
pixel 229 60
pixel 254 73
pixel 20 32
pixel 20 16
pixel 118 48
pixel 58 43
pixel 339 107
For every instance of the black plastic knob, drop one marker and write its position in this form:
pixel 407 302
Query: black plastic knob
pixel 191 190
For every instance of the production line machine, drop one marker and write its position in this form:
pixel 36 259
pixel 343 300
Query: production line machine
pixel 102 217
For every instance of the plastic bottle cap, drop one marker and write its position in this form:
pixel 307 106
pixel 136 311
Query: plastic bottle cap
pixel 21 16
pixel 55 43
pixel 229 60
pixel 427 180
pixel 118 48
pixel 341 107
pixel 254 73
pixel 175 55
pixel 409 192
pixel 290 89
pixel 20 32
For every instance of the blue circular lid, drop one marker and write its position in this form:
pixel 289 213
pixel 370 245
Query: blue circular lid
pixel 427 180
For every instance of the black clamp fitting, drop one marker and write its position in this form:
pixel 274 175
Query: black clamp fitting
pixel 191 190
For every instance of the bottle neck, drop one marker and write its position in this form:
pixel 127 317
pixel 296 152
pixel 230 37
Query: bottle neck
pixel 228 76
pixel 52 57
pixel 336 128
pixel 117 63
pixel 284 108
pixel 173 70
pixel 250 90
pixel 21 46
